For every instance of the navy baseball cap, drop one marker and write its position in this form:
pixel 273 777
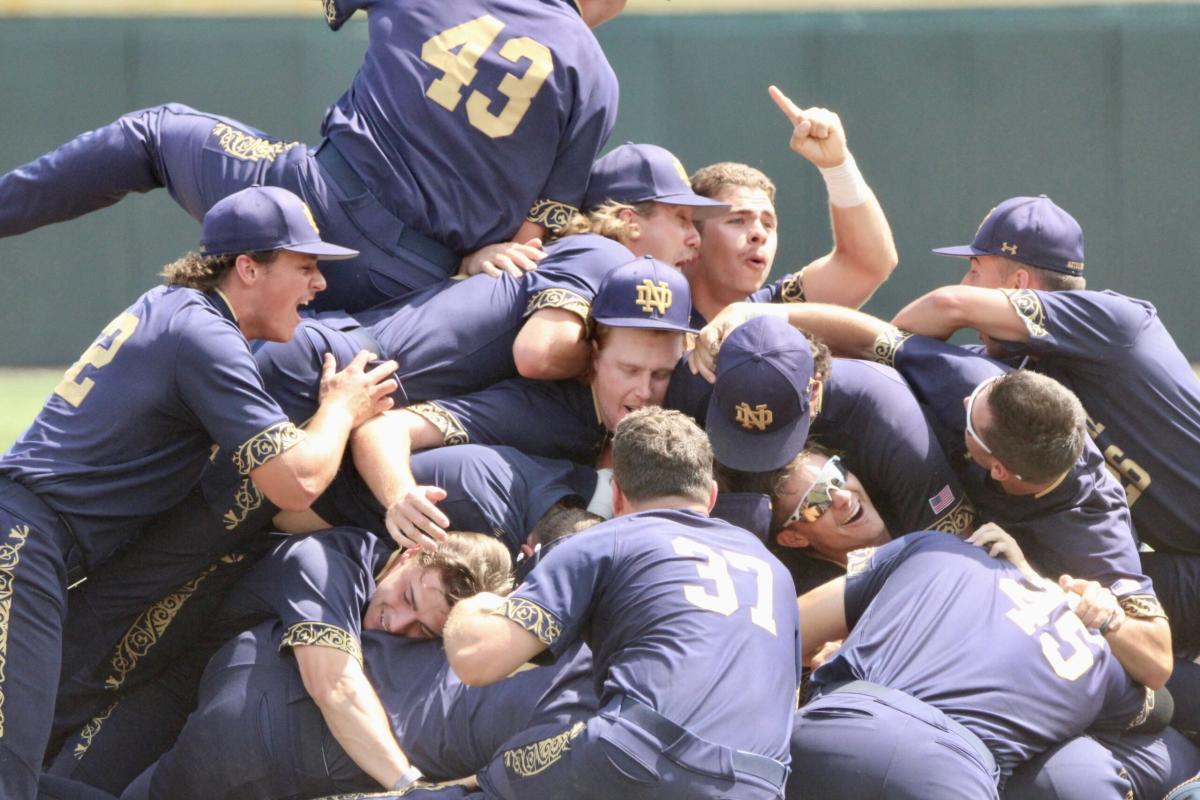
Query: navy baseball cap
pixel 642 173
pixel 758 414
pixel 645 293
pixel 265 218
pixel 1032 230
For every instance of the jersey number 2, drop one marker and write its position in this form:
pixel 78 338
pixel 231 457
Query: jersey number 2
pixel 73 390
pixel 715 568
pixel 471 39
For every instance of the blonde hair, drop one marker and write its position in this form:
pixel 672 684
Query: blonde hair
pixel 605 220
pixel 205 273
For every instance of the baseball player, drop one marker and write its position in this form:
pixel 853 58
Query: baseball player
pixel 928 716
pixel 1024 461
pixel 737 249
pixel 640 316
pixel 677 609
pixel 99 459
pixel 468 126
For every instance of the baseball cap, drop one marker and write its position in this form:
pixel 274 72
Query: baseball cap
pixel 758 415
pixel 640 173
pixel 645 293
pixel 1032 230
pixel 265 218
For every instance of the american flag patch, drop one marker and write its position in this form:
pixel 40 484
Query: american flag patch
pixel 942 500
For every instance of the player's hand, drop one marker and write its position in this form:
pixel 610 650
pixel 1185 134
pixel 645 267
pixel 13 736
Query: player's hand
pixel 1000 544
pixel 827 651
pixel 1097 607
pixel 817 133
pixel 414 520
pixel 703 358
pixel 364 392
pixel 515 258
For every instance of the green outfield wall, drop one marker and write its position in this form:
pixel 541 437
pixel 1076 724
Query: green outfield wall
pixel 948 112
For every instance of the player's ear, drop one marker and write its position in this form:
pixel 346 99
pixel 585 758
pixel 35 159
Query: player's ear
pixel 619 503
pixel 998 471
pixel 712 496
pixel 1020 278
pixel 790 537
pixel 247 268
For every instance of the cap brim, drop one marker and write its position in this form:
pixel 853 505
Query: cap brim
pixel 322 250
pixel 702 207
pixel 962 251
pixel 642 322
pixel 742 450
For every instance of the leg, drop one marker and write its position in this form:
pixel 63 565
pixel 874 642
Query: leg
pixel 1156 763
pixel 1079 769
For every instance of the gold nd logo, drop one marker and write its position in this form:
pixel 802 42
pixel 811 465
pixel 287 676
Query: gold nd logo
pixel 653 298
pixel 311 219
pixel 1011 249
pixel 759 417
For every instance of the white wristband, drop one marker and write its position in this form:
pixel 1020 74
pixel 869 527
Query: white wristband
pixel 406 779
pixel 845 184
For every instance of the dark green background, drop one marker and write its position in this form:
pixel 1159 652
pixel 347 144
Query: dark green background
pixel 948 112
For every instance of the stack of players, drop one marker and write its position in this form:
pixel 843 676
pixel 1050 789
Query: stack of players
pixel 549 493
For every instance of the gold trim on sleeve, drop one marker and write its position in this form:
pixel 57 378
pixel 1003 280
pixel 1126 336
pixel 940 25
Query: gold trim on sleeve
pixel 10 556
pixel 887 344
pixel 1029 308
pixel 551 214
pixel 791 287
pixel 445 421
pixel 262 447
pixel 1142 606
pixel 532 617
pixel 559 298
pixel 959 520
pixel 321 634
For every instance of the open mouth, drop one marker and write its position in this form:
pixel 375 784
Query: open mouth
pixel 757 262
pixel 856 516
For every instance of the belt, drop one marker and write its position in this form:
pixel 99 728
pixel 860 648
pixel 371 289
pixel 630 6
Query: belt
pixel 649 720
pixel 897 699
pixel 339 170
pixel 54 525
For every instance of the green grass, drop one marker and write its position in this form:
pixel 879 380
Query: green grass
pixel 22 392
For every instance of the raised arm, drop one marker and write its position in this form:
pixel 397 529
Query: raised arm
pixel 822 617
pixel 296 477
pixel 337 684
pixel 863 254
pixel 943 311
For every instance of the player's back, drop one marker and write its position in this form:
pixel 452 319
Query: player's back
pixel 465 116
pixel 697 620
pixel 939 619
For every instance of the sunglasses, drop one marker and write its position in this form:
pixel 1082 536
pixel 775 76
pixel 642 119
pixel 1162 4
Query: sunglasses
pixel 819 497
pixel 974 434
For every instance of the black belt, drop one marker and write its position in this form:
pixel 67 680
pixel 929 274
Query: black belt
pixel 649 720
pixel 894 698
pixel 337 168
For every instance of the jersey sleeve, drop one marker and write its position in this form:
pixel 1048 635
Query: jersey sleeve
pixel 501 414
pixel 555 600
pixel 217 379
pixel 869 568
pixel 571 273
pixel 1080 325
pixel 688 392
pixel 590 120
pixel 788 289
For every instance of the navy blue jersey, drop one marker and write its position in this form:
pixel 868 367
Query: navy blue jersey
pixel 567 425
pixel 1080 526
pixel 1141 395
pixel 788 289
pixel 451 338
pixel 685 614
pixel 747 510
pixel 468 117
pixel 103 455
pixel 494 490
pixel 1006 658
pixel 868 415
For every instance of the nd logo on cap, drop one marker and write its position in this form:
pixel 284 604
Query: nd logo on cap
pixel 653 297
pixel 759 417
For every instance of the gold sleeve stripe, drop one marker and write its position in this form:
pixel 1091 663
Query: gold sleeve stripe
pixel 261 448
pixel 1029 308
pixel 10 557
pixel 959 520
pixel 559 298
pixel 1142 606
pixel 791 288
pixel 551 214
pixel 532 617
pixel 321 634
pixel 452 430
pixel 887 344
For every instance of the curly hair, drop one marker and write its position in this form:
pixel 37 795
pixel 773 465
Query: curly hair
pixel 205 273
